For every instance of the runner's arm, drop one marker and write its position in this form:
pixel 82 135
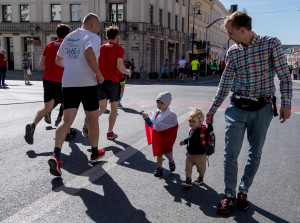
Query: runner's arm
pixel 60 61
pixel 122 68
pixel 42 61
pixel 90 57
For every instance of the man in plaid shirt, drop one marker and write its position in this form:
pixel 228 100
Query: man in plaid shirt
pixel 251 65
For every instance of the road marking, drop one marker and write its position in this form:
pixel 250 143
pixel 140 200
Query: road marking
pixel 50 201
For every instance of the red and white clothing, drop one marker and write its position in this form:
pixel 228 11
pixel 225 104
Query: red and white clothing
pixel 52 72
pixel 163 132
pixel 109 53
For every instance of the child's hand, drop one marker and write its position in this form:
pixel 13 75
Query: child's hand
pixel 182 143
pixel 144 115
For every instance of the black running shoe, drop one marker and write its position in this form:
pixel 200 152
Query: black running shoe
pixel 172 166
pixel 29 131
pixel 54 164
pixel 158 172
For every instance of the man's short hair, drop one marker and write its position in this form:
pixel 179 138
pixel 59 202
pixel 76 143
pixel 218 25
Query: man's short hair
pixel 239 19
pixel 89 17
pixel 62 30
pixel 112 32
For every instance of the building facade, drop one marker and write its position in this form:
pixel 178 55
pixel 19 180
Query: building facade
pixel 199 19
pixel 150 30
pixel 218 37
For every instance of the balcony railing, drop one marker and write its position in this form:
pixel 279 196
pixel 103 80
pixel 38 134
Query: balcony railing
pixel 50 27
pixel 8 27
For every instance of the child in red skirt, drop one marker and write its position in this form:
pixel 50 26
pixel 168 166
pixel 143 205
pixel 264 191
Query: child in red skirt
pixel 161 130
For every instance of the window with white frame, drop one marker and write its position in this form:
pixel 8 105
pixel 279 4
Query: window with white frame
pixel 24 13
pixel 151 14
pixel 169 20
pixel 6 13
pixel 160 17
pixel 116 12
pixel 75 12
pixel 55 13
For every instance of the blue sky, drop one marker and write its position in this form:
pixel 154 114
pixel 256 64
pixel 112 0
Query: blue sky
pixel 279 18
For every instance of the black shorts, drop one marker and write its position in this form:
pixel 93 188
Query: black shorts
pixel 109 90
pixel 88 96
pixel 52 90
pixel 182 70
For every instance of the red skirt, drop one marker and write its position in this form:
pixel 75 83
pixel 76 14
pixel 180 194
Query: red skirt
pixel 163 141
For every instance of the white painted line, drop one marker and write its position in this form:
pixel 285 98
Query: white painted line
pixel 47 203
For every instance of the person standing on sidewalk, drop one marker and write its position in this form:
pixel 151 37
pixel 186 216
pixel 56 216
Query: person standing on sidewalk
pixel 252 63
pixel 26 63
pixel 78 54
pixel 3 68
pixel 51 83
pixel 111 64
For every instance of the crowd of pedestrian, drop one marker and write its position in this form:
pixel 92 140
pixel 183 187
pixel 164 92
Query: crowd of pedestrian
pixel 91 75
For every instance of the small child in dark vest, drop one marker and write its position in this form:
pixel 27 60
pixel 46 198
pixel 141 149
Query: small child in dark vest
pixel 196 152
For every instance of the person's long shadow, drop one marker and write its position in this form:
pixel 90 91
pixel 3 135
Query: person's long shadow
pixel 207 199
pixel 138 161
pixel 113 206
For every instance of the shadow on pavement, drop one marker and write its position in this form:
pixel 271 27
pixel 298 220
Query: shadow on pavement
pixel 113 206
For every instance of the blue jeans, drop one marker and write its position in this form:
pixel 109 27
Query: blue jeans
pixel 237 122
pixel 2 75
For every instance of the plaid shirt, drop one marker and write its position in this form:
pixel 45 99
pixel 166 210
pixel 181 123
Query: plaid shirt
pixel 251 71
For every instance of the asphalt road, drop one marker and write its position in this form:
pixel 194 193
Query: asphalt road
pixel 122 188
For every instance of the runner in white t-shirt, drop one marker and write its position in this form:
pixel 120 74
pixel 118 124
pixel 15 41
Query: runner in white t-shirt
pixel 78 54
pixel 182 69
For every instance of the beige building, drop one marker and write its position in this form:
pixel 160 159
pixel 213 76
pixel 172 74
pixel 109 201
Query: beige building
pixel 151 30
pixel 218 37
pixel 199 19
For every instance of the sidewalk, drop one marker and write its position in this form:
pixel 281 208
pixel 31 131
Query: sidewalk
pixel 19 75
pixel 37 76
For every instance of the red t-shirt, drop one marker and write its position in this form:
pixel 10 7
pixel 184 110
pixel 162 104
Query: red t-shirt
pixel 52 72
pixel 3 61
pixel 109 53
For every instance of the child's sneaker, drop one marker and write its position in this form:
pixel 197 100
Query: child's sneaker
pixel 158 172
pixel 111 135
pixel 54 163
pixel 242 203
pixel 101 154
pixel 172 166
pixel 225 205
pixel 199 181
pixel 187 182
pixel 47 118
pixel 29 131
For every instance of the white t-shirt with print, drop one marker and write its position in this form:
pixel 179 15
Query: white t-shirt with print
pixel 182 63
pixel 77 72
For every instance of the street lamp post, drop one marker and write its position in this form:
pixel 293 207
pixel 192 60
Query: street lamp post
pixel 206 44
pixel 198 6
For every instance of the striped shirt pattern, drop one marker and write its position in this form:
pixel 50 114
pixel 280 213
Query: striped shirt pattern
pixel 251 71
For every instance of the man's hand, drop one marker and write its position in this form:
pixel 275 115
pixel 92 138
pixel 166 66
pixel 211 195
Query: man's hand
pixel 100 78
pixel 144 115
pixel 209 118
pixel 182 143
pixel 129 72
pixel 285 114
